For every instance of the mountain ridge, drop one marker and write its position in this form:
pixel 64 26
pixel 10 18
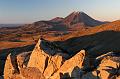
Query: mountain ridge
pixel 73 20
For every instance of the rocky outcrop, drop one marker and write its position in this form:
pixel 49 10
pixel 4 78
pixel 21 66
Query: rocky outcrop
pixel 50 61
pixel 43 57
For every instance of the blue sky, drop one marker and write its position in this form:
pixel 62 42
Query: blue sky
pixel 28 11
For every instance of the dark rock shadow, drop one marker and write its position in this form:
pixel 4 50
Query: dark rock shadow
pixel 95 44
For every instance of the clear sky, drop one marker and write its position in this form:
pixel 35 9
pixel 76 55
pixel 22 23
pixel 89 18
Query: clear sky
pixel 28 11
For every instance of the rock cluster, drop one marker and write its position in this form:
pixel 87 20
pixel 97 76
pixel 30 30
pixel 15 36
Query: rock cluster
pixel 49 61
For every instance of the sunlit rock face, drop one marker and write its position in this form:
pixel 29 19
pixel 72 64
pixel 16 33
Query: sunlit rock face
pixel 73 66
pixel 9 69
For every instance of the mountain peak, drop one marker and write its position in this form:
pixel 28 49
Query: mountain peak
pixel 78 12
pixel 80 17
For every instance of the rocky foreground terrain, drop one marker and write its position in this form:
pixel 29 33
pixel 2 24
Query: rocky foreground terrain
pixel 49 61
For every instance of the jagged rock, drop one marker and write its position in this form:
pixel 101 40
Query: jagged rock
pixel 38 58
pixel 54 64
pixel 69 65
pixel 43 59
pixel 10 67
pixel 11 70
pixel 44 53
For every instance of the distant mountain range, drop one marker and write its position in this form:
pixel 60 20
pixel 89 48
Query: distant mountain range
pixel 10 25
pixel 73 20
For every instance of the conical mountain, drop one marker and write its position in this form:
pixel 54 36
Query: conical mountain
pixel 81 17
